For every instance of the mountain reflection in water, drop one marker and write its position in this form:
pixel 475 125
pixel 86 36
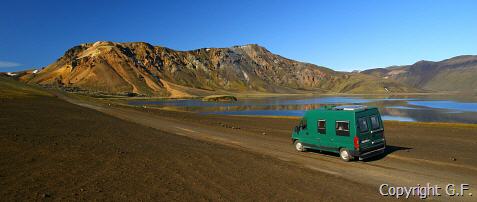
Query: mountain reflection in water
pixel 399 108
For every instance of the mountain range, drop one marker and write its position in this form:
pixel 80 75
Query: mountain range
pixel 142 69
pixel 454 74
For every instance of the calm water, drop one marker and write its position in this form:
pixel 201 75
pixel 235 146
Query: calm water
pixel 418 108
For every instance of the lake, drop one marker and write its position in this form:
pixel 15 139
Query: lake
pixel 435 108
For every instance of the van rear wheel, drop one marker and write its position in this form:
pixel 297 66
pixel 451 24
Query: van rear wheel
pixel 345 155
pixel 299 146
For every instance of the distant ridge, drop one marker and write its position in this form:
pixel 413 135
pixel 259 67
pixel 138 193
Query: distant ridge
pixel 454 74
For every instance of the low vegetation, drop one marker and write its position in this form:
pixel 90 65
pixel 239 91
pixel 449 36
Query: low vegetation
pixel 10 88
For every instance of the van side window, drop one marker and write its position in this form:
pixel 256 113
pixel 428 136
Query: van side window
pixel 322 126
pixel 363 125
pixel 375 123
pixel 342 128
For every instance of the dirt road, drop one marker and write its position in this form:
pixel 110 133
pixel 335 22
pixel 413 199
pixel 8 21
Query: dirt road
pixel 425 161
pixel 54 150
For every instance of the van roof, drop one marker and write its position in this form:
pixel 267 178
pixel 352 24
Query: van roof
pixel 342 108
pixel 350 107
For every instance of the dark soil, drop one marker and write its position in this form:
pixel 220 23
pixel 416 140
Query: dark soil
pixel 54 150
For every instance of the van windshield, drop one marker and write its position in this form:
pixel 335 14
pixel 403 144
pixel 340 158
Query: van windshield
pixel 303 124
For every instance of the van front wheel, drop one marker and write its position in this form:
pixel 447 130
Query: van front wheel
pixel 299 146
pixel 345 155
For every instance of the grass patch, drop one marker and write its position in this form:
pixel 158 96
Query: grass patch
pixel 220 98
pixel 10 88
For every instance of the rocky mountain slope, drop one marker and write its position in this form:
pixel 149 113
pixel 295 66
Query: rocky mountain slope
pixel 140 68
pixel 454 74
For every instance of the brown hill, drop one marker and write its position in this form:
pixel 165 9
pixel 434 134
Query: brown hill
pixel 454 74
pixel 140 68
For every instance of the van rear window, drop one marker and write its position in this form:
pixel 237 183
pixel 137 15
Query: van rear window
pixel 363 125
pixel 342 128
pixel 375 123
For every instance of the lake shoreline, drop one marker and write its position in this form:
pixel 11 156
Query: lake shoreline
pixel 265 95
pixel 409 123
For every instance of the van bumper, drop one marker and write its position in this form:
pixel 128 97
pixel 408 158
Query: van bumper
pixel 370 152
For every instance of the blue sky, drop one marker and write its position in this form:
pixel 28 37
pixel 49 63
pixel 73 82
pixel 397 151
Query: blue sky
pixel 342 35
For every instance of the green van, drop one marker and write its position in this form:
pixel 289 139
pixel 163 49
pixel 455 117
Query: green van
pixel 353 131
